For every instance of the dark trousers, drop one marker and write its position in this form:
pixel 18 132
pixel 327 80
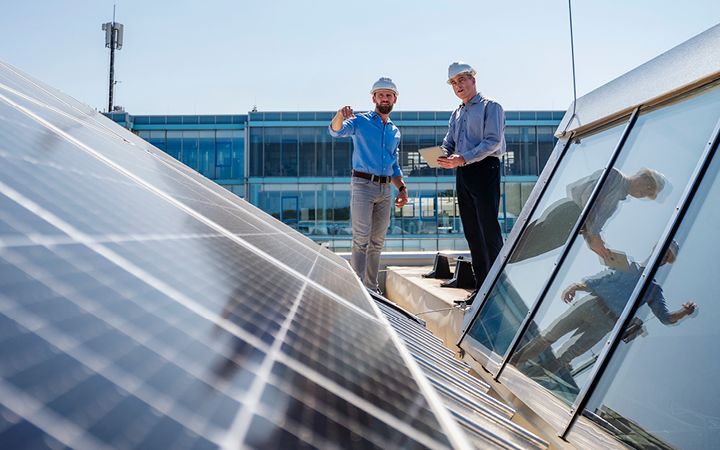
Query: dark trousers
pixel 550 231
pixel 478 192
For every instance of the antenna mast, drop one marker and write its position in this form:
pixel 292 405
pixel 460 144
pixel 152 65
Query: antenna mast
pixel 113 40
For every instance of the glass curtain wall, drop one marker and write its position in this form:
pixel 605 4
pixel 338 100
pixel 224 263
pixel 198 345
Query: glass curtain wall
pixel 660 388
pixel 309 151
pixel 256 153
pixel 308 155
pixel 522 151
pixel 323 212
pixel 607 258
pixel 230 154
pixel 217 154
pixel 298 152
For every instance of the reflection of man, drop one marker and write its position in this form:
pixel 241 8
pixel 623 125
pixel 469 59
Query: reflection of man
pixel 551 230
pixel 474 142
pixel 593 316
pixel 375 165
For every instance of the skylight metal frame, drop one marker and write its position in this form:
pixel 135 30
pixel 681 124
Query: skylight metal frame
pixel 681 72
pixel 635 300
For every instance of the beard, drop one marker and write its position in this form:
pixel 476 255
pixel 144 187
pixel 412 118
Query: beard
pixel 384 109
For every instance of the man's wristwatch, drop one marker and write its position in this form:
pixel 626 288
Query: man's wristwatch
pixel 402 188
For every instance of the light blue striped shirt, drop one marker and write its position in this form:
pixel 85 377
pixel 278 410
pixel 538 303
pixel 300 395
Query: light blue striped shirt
pixel 615 287
pixel 476 130
pixel 375 144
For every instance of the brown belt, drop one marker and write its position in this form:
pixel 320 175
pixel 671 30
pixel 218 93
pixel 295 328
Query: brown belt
pixel 371 177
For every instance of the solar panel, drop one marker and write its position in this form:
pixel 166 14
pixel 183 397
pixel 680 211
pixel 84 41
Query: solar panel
pixel 142 306
pixel 486 420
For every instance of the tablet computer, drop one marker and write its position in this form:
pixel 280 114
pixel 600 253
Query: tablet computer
pixel 431 154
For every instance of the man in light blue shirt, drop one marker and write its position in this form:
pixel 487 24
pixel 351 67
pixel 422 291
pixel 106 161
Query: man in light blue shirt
pixel 589 321
pixel 375 165
pixel 552 229
pixel 474 143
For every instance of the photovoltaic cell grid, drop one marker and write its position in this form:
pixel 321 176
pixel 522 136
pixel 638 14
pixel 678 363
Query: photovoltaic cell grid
pixel 485 419
pixel 142 306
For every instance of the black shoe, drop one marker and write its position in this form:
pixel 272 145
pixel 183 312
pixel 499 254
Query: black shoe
pixel 467 301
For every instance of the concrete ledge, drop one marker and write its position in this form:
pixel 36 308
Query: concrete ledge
pixel 426 299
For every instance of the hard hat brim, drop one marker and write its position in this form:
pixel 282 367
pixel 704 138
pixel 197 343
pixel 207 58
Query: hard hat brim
pixel 471 72
pixel 384 89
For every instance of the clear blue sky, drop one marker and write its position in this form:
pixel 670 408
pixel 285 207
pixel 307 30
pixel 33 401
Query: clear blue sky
pixel 224 56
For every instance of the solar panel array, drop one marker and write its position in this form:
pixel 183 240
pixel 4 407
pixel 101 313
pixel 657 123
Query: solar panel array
pixel 486 420
pixel 143 306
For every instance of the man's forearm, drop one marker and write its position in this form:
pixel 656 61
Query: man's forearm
pixel 480 151
pixel 675 316
pixel 337 122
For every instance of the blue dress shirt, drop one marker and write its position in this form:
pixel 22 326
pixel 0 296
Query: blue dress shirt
pixel 476 130
pixel 375 144
pixel 615 288
pixel 614 191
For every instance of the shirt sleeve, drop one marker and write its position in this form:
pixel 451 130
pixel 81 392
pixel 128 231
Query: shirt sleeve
pixel 449 141
pixel 599 279
pixel 608 202
pixel 656 302
pixel 493 134
pixel 579 191
pixel 397 171
pixel 595 219
pixel 348 129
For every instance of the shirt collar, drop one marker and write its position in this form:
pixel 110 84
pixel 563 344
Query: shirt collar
pixel 473 100
pixel 374 114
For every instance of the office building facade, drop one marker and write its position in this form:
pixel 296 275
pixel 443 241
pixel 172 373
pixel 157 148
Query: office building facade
pixel 288 165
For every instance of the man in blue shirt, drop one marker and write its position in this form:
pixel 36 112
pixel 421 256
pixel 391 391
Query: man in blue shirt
pixel 552 229
pixel 375 166
pixel 474 143
pixel 594 316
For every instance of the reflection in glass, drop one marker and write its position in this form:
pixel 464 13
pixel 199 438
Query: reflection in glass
pixel 521 155
pixel 342 162
pixel 272 163
pixel 174 143
pixel 591 318
pixel 230 154
pixel 289 155
pixel 660 389
pixel 308 150
pixel 190 148
pixel 551 230
pixel 562 343
pixel 256 152
pixel 206 154
pixel 324 154
pixel 524 275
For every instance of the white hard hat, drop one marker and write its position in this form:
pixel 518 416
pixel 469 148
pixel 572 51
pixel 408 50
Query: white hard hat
pixel 384 83
pixel 662 185
pixel 459 67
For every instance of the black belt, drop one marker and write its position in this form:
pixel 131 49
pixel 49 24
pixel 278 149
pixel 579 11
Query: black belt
pixel 486 160
pixel 371 177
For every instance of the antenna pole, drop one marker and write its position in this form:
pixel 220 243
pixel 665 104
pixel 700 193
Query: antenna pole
pixel 572 54
pixel 113 41
pixel 112 64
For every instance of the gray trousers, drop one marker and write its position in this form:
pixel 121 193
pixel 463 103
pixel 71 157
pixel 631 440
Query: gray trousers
pixel 370 215
pixel 589 318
